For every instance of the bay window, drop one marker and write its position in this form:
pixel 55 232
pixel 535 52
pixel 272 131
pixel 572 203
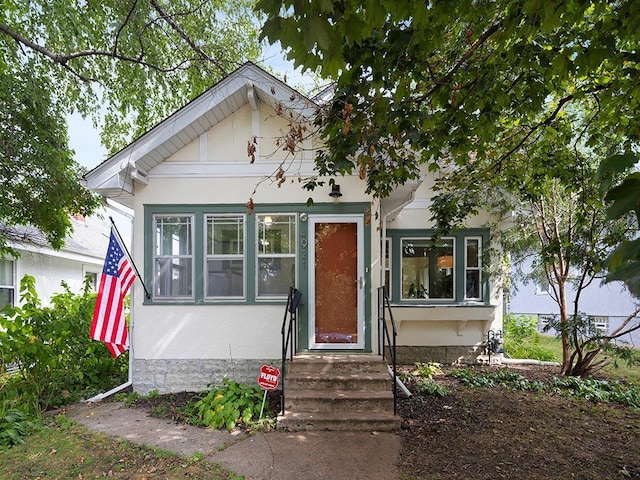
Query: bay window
pixel 427 269
pixel 421 269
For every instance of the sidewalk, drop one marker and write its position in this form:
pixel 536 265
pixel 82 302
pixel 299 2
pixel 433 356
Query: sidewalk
pixel 272 455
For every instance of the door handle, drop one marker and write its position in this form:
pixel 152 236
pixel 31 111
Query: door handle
pixel 360 282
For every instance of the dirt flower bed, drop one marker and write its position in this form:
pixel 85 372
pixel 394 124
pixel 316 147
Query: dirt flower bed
pixel 495 433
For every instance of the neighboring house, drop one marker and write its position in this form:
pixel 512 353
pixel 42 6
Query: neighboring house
pixel 218 266
pixel 606 304
pixel 82 256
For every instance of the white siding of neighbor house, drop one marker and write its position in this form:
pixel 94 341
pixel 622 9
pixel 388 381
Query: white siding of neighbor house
pixel 82 254
pixel 50 271
pixel 611 300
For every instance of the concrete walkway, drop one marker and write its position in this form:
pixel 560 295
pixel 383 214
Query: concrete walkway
pixel 272 455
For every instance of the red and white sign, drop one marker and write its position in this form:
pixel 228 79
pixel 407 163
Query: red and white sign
pixel 268 378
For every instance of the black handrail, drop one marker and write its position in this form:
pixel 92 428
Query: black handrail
pixel 288 333
pixel 385 338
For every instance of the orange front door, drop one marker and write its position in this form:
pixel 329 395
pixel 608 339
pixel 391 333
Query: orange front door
pixel 336 280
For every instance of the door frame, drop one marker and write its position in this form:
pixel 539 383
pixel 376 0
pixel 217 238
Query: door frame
pixel 361 279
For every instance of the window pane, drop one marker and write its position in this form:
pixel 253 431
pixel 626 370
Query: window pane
pixel 173 236
pixel 473 284
pixel 472 253
pixel 276 275
pixel 6 297
pixel 173 277
pixel 225 235
pixel 225 278
pixel 276 234
pixel 6 273
pixel 427 269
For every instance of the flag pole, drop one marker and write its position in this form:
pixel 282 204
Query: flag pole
pixel 147 294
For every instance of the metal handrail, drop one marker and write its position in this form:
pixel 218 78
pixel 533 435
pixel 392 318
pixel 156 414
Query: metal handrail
pixel 386 338
pixel 288 332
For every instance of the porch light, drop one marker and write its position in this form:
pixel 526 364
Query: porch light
pixel 335 191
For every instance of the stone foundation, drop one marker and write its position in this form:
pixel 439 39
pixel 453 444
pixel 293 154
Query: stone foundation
pixel 447 355
pixel 193 375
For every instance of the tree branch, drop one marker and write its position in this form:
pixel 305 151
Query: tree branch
pixel 169 19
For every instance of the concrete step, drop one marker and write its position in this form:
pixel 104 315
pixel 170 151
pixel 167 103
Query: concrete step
pixel 335 363
pixel 330 381
pixel 339 401
pixel 340 421
pixel 338 391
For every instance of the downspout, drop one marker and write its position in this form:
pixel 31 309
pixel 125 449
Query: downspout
pixel 129 382
pixel 383 256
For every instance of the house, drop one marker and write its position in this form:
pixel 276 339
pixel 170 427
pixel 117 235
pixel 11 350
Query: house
pixel 82 256
pixel 606 304
pixel 222 229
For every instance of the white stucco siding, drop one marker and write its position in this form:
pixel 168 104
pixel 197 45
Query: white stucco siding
pixel 228 140
pixel 50 271
pixel 202 331
pixel 190 153
pixel 230 190
pixel 444 333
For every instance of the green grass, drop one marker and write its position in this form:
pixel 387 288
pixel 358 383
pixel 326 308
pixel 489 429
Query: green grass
pixel 65 449
pixel 619 370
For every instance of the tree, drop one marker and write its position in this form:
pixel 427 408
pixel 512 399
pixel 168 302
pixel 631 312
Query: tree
pixel 476 86
pixel 562 228
pixel 130 62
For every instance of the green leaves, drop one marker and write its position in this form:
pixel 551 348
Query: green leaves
pixel 59 363
pixel 228 405
pixel 132 62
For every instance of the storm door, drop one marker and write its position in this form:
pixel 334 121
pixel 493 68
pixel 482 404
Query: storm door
pixel 336 282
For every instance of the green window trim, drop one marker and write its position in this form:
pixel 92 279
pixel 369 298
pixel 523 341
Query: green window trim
pixel 466 267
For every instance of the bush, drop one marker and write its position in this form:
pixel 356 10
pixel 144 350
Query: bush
pixel 522 340
pixel 58 362
pixel 227 406
pixel 15 423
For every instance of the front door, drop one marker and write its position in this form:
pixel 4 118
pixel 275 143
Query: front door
pixel 336 282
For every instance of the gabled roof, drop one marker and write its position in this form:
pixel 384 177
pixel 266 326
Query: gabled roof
pixel 89 238
pixel 249 84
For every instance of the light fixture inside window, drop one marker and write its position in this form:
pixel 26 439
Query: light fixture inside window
pixel 268 221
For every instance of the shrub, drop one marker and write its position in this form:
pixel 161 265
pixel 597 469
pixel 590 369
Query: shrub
pixel 58 362
pixel 522 339
pixel 227 406
pixel 15 423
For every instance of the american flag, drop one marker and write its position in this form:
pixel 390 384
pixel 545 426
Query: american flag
pixel 108 323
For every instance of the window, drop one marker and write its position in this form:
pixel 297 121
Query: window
pixel 276 254
pixel 472 267
pixel 7 285
pixel 599 324
pixel 92 278
pixel 173 257
pixel 428 268
pixel 218 253
pixel 225 271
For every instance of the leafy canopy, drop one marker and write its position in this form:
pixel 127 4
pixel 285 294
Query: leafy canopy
pixel 464 83
pixel 129 62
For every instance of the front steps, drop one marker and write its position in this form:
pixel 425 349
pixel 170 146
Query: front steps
pixel 338 392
